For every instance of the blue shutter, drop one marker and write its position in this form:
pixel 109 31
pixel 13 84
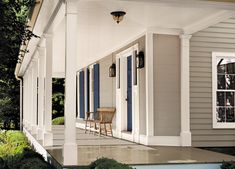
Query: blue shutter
pixel 96 87
pixel 88 89
pixel 129 93
pixel 81 94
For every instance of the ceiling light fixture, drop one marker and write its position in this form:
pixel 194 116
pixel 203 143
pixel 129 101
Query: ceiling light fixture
pixel 118 15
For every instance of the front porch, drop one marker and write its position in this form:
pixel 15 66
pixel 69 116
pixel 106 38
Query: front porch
pixel 91 147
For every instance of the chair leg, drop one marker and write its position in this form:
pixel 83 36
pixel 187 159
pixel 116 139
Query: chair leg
pixel 95 127
pixel 85 126
pixel 99 129
pixel 111 130
pixel 90 127
pixel 105 130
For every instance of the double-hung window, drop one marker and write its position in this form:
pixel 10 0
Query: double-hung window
pixel 223 78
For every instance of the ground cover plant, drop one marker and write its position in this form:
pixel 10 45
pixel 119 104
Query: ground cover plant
pixel 105 163
pixel 58 121
pixel 16 153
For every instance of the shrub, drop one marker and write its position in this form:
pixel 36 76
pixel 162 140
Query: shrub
pixel 228 165
pixel 15 153
pixel 28 159
pixel 105 163
pixel 58 121
pixel 12 143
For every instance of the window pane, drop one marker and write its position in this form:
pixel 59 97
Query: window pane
pixel 230 82
pixel 221 82
pixel 220 114
pixel 229 98
pixel 221 69
pixel 230 66
pixel 230 115
pixel 220 99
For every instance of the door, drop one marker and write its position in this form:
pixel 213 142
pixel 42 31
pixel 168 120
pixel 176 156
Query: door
pixel 81 95
pixel 129 93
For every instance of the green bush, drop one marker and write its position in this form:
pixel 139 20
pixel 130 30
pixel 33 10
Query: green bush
pixel 228 165
pixel 105 163
pixel 16 153
pixel 28 159
pixel 12 143
pixel 58 121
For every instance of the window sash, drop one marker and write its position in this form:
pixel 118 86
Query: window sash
pixel 215 56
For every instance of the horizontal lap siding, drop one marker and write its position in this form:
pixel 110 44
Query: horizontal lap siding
pixel 217 38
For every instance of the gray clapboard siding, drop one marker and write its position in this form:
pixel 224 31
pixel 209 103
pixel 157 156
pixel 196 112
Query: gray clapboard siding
pixel 166 85
pixel 214 34
pixel 217 38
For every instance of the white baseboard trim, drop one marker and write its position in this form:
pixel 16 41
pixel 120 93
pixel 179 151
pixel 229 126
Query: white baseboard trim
pixel 164 140
pixel 80 125
pixel 127 136
pixel 160 140
pixel 38 147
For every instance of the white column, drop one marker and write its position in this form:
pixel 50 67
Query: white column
pixel 70 145
pixel 41 51
pixel 185 109
pixel 149 87
pixel 48 136
pixel 34 95
pixel 30 107
pixel 25 110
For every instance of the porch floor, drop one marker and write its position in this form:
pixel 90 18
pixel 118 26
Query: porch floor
pixel 91 147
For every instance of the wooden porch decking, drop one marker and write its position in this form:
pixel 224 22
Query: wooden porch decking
pixel 90 147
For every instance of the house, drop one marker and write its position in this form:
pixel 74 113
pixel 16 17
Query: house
pixel 183 95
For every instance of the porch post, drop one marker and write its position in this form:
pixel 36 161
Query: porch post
pixel 26 106
pixel 70 145
pixel 185 107
pixel 25 101
pixel 30 96
pixel 41 51
pixel 34 95
pixel 48 136
pixel 149 87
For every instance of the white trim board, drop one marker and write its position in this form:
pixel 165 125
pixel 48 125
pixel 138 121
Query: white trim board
pixel 160 140
pixel 208 21
pixel 38 147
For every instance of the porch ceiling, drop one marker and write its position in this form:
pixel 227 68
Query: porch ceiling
pixel 98 31
pixel 142 14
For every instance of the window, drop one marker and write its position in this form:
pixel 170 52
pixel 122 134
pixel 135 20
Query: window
pixel 223 90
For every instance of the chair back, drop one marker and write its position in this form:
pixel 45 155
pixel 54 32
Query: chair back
pixel 106 114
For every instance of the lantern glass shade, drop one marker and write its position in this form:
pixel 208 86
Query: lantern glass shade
pixel 140 60
pixel 118 18
pixel 118 15
pixel 112 70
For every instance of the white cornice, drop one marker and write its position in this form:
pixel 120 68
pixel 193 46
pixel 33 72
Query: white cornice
pixel 168 31
pixel 208 21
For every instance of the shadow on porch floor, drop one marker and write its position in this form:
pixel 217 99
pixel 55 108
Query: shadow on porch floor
pixel 90 147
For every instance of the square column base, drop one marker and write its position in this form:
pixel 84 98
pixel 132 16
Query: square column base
pixel 186 138
pixel 70 154
pixel 39 134
pixel 34 129
pixel 47 139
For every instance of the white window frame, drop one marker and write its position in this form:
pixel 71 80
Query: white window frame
pixel 216 55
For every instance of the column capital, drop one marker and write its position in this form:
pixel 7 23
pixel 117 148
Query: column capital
pixel 185 36
pixel 47 35
pixel 41 49
pixel 71 6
